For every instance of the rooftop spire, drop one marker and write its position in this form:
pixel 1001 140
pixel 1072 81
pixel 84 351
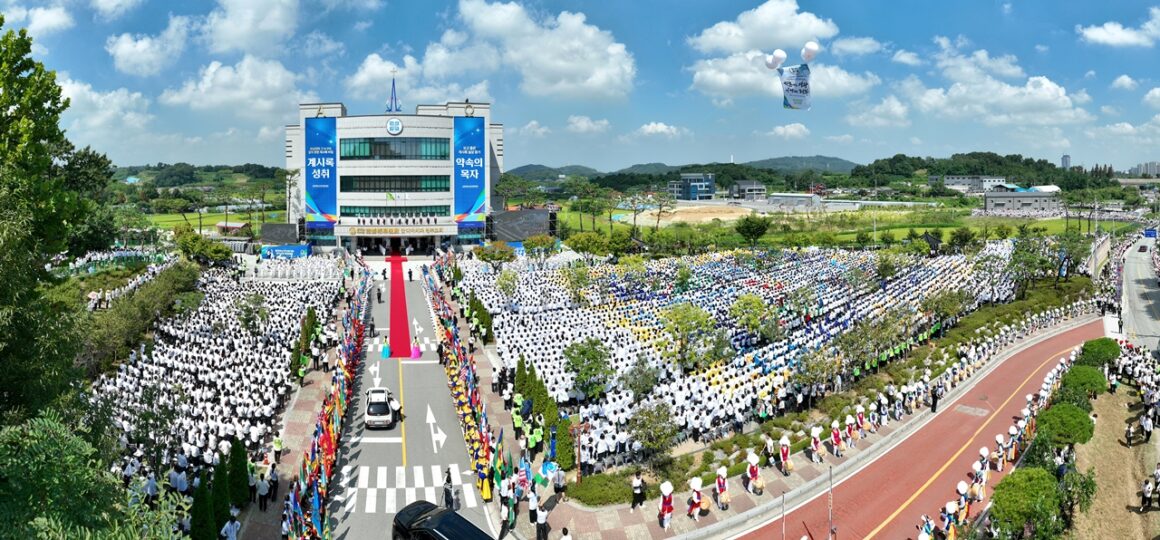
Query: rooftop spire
pixel 393 105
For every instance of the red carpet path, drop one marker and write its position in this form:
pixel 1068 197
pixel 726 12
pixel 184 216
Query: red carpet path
pixel 400 323
pixel 887 497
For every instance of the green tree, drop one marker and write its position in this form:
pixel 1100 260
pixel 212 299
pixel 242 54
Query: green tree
pixel 1097 352
pixel 653 427
pixel 1075 249
pixel 202 523
pixel 511 186
pixel 862 239
pixel 816 367
pixel 1067 423
pixel 749 311
pixel 496 253
pixel 48 471
pixel 252 312
pixel 576 279
pixel 690 327
pixel 221 494
pixel 684 277
pixel 620 242
pixel 945 304
pixel 1078 491
pixel 1086 379
pixel 887 237
pixel 752 227
pixel 665 204
pixel 912 235
pixel 589 244
pixel 1028 498
pixel 1003 231
pixel 887 266
pixel 641 378
pixel 239 474
pixel 541 243
pixel 961 238
pixel 508 282
pixel 588 360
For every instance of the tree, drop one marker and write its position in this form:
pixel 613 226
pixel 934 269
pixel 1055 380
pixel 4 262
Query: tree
pixel 496 253
pixel 1027 498
pixel 690 327
pixel 640 378
pixel 540 243
pixel 961 237
pixel 887 266
pixel 588 360
pixel 752 228
pixel 653 427
pixel 589 244
pixel 1097 352
pixel 576 279
pixel 1075 250
pixel 1003 231
pixel 684 277
pixel 48 471
pixel 1086 379
pixel 816 367
pixel 239 474
pixel 508 282
pixel 222 494
pixel 912 235
pixel 252 312
pixel 862 239
pixel 1078 491
pixel 511 186
pixel 665 204
pixel 609 200
pixel 945 304
pixel 749 311
pixel 620 242
pixel 1067 423
pixel 201 519
pixel 887 237
pixel 637 203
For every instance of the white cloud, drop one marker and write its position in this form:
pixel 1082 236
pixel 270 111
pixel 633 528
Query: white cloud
pixel 1145 135
pixel 1091 74
pixel 889 113
pixel 855 46
pixel 94 115
pixel 842 139
pixel 40 21
pixel 361 26
pixel 534 129
pixel 796 130
pixel 1041 48
pixel 147 55
pixel 112 9
pixel 447 58
pixel 584 124
pixel 1124 82
pixel 1081 97
pixel 1007 8
pixel 776 23
pixel 1108 110
pixel 373 81
pixel 661 129
pixel 1115 34
pixel 251 26
pixel 1152 98
pixel 744 74
pixel 915 141
pixel 1041 138
pixel 561 56
pixel 317 44
pixel 975 93
pixel 254 88
pixel 364 5
pixel 903 56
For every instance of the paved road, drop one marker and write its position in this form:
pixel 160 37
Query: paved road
pixel 886 498
pixel 1141 305
pixel 381 471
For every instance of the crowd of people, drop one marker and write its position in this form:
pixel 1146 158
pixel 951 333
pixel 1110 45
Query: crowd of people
pixel 103 298
pixel 307 268
pixel 94 261
pixel 1079 215
pixel 220 381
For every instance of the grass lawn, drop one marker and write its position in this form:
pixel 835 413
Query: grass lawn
pixel 571 220
pixel 1053 226
pixel 1119 473
pixel 168 221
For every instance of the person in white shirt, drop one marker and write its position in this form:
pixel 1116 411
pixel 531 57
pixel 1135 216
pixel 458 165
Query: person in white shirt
pixel 230 529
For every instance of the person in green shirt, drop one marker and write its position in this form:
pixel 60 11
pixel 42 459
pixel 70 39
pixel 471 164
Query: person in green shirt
pixel 277 448
pixel 517 422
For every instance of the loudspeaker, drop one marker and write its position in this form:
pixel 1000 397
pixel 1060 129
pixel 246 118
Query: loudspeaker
pixel 489 228
pixel 552 224
pixel 301 227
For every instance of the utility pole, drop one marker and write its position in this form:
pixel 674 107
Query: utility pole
pixel 831 532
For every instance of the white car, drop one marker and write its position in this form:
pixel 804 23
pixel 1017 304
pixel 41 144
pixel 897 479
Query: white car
pixel 382 409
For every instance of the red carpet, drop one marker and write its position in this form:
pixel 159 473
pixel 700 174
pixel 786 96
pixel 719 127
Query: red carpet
pixel 400 323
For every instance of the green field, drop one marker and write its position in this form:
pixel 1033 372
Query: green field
pixel 168 221
pixel 1053 226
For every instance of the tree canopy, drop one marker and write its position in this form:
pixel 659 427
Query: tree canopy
pixel 588 360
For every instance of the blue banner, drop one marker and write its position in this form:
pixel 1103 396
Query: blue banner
pixel 321 173
pixel 292 251
pixel 470 169
pixel 1149 233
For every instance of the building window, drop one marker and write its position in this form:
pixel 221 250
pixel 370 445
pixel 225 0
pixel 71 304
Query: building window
pixel 395 211
pixel 421 148
pixel 409 184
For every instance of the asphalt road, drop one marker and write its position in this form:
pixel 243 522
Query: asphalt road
pixel 1141 304
pixel 381 471
pixel 886 497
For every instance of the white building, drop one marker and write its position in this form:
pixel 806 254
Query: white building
pixel 391 181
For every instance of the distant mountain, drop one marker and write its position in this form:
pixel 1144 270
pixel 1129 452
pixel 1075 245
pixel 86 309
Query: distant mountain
pixel 803 163
pixel 649 168
pixel 543 173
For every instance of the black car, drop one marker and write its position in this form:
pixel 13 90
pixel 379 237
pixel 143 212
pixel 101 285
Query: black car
pixel 422 520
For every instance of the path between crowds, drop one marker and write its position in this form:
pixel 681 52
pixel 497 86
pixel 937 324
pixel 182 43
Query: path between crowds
pixel 886 498
pixel 400 331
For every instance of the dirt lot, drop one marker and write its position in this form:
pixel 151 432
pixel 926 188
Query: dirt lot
pixel 696 214
pixel 1119 473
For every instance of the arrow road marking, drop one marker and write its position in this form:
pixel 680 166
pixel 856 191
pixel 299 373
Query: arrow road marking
pixel 374 369
pixel 437 435
pixel 418 329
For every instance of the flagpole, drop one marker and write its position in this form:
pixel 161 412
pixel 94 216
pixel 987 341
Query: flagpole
pixel 830 534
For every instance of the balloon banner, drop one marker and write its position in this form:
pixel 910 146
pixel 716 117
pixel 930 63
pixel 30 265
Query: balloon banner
pixel 795 86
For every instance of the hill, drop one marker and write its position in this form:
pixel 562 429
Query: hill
pixel 821 164
pixel 648 168
pixel 542 173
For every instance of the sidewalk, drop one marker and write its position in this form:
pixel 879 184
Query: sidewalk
pixel 807 480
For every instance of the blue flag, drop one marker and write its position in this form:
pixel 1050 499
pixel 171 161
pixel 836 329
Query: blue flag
pixel 315 511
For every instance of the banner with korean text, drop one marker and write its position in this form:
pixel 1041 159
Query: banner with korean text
pixel 795 86
pixel 321 173
pixel 470 170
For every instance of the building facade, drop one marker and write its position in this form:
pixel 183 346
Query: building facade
pixel 1065 162
pixel 788 201
pixel 968 183
pixel 750 190
pixel 693 187
pixel 1026 201
pixel 393 181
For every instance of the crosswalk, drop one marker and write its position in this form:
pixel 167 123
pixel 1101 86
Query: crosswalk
pixel 426 344
pixel 386 489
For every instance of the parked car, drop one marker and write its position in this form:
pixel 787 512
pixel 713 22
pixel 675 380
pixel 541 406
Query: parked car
pixel 423 520
pixel 382 409
pixel 1143 248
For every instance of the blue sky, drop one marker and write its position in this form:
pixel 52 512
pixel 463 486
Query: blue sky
pixel 609 84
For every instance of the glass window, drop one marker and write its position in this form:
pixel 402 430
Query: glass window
pixel 395 211
pixel 412 184
pixel 420 148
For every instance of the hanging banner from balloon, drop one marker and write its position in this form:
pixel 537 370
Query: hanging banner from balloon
pixel 795 86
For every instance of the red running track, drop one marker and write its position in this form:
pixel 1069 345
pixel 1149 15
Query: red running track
pixel 400 337
pixel 886 498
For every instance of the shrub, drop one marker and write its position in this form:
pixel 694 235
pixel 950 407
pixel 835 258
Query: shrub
pixel 1073 396
pixel 1098 352
pixel 1027 495
pixel 1067 423
pixel 239 475
pixel 201 514
pixel 1086 379
pixel 604 489
pixel 221 495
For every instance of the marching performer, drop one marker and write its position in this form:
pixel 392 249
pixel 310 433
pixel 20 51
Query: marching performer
pixel 786 464
pixel 695 500
pixel 836 439
pixel 860 420
pixel 722 489
pixel 851 435
pixel 978 482
pixel 816 444
pixel 752 473
pixel 1013 443
pixel 1000 455
pixel 666 505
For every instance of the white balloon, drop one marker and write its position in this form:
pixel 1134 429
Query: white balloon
pixel 776 59
pixel 810 50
